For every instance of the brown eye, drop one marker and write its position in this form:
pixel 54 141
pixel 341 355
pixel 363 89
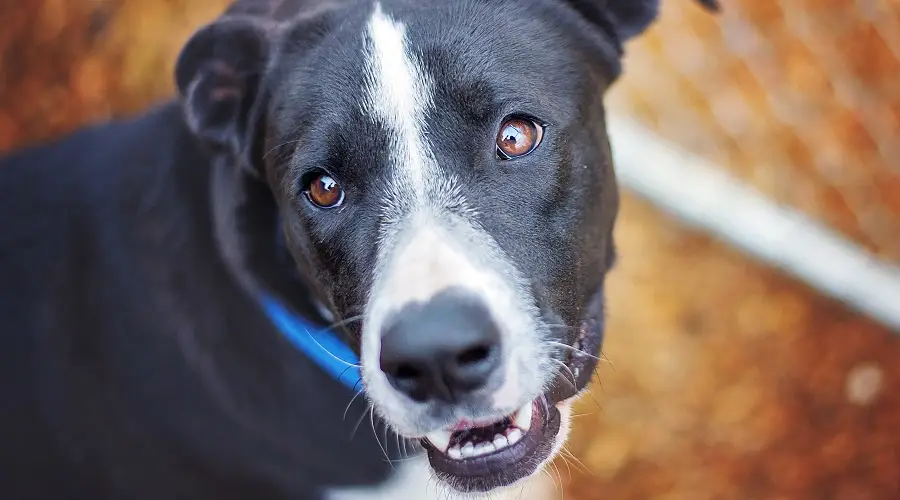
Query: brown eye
pixel 324 192
pixel 518 137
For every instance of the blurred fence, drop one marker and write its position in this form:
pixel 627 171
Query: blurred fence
pixel 729 381
pixel 799 98
pixel 64 63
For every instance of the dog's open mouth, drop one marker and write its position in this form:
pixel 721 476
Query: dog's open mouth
pixel 486 455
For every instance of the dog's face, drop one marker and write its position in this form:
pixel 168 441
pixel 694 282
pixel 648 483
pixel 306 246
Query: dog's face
pixel 444 178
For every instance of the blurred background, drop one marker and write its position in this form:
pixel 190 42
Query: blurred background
pixel 727 378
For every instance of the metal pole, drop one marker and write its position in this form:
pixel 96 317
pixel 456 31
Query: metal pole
pixel 709 198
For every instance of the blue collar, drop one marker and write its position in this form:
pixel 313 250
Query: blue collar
pixel 321 346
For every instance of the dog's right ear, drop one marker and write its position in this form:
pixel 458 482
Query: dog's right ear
pixel 624 19
pixel 218 75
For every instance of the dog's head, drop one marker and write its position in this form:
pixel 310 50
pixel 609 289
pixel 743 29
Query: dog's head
pixel 445 184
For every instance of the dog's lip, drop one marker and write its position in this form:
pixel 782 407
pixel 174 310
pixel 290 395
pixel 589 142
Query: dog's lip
pixel 581 357
pixel 506 466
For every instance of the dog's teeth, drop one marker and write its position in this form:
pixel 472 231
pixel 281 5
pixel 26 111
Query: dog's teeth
pixel 468 450
pixel 514 436
pixel 439 439
pixel 523 417
pixel 455 453
pixel 500 441
pixel 484 449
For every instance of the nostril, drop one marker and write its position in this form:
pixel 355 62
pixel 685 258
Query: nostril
pixel 472 367
pixel 473 355
pixel 408 378
pixel 407 372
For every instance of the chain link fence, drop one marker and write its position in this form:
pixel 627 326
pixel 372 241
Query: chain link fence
pixel 798 98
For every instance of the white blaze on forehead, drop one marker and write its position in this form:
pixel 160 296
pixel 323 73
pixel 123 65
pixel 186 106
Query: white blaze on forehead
pixel 428 241
pixel 398 93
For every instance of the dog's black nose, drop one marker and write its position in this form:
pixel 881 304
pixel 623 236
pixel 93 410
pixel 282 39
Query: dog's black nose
pixel 443 349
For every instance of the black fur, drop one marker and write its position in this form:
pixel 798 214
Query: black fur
pixel 136 362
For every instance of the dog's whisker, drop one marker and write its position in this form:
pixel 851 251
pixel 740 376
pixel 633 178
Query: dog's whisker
pixel 409 447
pixel 565 460
pixel 579 351
pixel 279 146
pixel 404 443
pixel 575 385
pixel 369 409
pixel 350 365
pixel 552 479
pixel 562 490
pixel 590 393
pixel 573 382
pixel 375 434
pixel 385 436
pixel 345 371
pixel 357 309
pixel 403 459
pixel 606 358
pixel 565 450
pixel 350 404
pixel 344 322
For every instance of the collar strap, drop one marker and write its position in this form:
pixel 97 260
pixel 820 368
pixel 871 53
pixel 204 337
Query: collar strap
pixel 321 345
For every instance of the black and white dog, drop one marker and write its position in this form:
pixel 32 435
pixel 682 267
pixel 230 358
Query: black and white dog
pixel 418 193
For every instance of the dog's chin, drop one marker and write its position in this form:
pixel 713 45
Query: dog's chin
pixel 496 454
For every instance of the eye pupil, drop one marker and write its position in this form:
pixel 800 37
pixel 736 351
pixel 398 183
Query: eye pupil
pixel 325 192
pixel 518 137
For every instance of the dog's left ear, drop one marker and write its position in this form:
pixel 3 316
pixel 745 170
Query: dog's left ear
pixel 624 19
pixel 218 75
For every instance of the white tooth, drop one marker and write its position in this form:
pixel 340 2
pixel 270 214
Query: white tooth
pixel 500 441
pixel 455 453
pixel 523 417
pixel 514 436
pixel 484 449
pixel 468 450
pixel 439 439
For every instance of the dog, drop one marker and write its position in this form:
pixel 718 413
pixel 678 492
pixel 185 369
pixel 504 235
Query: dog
pixel 362 255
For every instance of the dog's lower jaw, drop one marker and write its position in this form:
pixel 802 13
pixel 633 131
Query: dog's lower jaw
pixel 477 476
pixel 415 479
